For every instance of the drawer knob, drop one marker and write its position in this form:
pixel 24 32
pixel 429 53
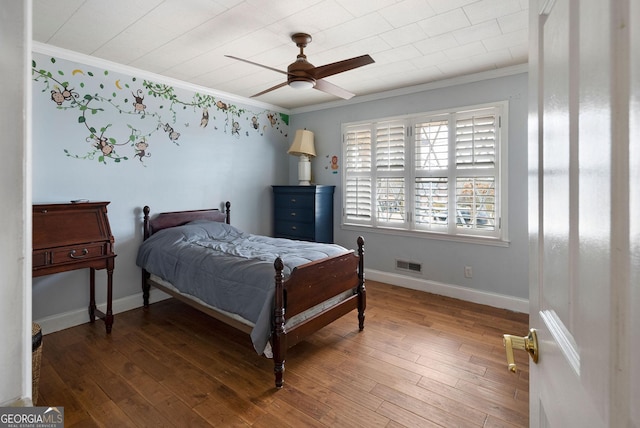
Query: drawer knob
pixel 293 228
pixel 293 214
pixel 293 200
pixel 72 254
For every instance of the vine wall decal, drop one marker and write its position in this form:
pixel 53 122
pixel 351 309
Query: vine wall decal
pixel 125 118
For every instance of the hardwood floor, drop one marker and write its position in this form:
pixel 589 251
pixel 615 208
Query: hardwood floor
pixel 422 361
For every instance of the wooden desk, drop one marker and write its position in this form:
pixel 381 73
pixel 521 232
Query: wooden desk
pixel 75 236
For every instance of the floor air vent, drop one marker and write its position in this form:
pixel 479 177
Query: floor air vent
pixel 410 266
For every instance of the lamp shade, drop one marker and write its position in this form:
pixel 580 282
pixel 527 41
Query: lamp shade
pixel 302 144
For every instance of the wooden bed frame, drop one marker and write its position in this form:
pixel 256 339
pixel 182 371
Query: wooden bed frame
pixel 307 286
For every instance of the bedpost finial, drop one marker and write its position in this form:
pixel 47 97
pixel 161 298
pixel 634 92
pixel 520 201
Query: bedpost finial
pixel 146 210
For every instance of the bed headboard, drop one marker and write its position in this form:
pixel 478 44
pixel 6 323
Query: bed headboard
pixel 178 218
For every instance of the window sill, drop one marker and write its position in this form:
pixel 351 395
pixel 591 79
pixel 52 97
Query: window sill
pixel 467 239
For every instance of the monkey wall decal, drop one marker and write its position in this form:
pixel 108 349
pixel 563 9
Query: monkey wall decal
pixel 205 118
pixel 235 128
pixel 59 96
pixel 173 135
pixel 102 144
pixel 141 149
pixel 138 106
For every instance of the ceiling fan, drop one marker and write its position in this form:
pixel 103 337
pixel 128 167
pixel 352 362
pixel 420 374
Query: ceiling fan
pixel 301 74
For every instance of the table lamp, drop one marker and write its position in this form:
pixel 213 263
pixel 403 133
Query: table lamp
pixel 303 146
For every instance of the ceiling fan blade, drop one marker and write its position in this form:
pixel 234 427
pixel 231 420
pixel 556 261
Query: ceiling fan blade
pixel 340 66
pixel 330 88
pixel 259 65
pixel 280 85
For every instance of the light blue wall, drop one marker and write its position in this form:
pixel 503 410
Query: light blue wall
pixel 495 269
pixel 202 168
pixel 208 165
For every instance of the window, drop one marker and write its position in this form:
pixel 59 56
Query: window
pixel 434 172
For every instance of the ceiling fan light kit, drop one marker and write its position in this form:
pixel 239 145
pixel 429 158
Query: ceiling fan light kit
pixel 301 74
pixel 302 84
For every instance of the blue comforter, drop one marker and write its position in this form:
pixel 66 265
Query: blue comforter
pixel 227 268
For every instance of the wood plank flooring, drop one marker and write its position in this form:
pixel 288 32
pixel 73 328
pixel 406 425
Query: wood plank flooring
pixel 422 361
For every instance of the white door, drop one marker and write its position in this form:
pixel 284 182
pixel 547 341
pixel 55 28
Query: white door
pixel 584 182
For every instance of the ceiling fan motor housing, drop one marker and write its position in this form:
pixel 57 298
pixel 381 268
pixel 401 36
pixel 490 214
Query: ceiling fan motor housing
pixel 298 76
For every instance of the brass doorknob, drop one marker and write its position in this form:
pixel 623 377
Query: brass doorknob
pixel 527 343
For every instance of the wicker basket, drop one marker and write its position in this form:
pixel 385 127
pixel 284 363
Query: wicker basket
pixel 36 358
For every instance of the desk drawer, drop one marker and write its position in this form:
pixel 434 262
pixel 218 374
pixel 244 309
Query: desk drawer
pixel 40 258
pixel 74 253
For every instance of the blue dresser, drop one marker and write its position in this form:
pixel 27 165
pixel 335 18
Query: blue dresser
pixel 303 212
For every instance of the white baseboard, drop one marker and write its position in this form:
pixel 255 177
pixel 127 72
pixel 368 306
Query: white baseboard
pixel 21 402
pixel 70 319
pixel 515 304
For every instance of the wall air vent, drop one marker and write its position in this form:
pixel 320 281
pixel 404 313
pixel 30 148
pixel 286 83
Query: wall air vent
pixel 410 266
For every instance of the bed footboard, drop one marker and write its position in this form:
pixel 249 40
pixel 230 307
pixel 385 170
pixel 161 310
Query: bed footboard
pixel 308 286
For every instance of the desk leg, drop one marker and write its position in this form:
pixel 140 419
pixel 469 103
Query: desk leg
pixel 108 319
pixel 93 311
pixel 92 294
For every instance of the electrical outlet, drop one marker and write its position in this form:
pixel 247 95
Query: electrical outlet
pixel 468 272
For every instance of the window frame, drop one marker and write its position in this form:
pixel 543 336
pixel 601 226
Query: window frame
pixel 407 224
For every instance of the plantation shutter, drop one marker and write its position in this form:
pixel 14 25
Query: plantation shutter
pixel 390 152
pixel 476 144
pixel 358 186
pixel 390 172
pixel 476 203
pixel 431 202
pixel 476 139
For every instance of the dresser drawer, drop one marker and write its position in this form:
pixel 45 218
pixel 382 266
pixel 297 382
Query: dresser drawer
pixel 305 215
pixel 294 201
pixel 294 230
pixel 74 253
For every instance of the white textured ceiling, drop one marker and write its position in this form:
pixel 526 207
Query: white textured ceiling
pixel 412 41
